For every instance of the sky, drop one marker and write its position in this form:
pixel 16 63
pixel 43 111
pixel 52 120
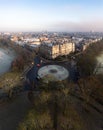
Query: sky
pixel 51 15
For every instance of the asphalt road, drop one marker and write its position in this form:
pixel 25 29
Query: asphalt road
pixel 32 74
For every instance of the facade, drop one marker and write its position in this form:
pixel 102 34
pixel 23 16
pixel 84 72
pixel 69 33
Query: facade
pixel 55 49
pixel 66 48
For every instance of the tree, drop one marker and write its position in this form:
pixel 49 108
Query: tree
pixel 86 64
pixel 88 86
pixel 52 109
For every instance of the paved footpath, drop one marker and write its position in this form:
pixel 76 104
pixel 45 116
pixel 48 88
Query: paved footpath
pixel 13 112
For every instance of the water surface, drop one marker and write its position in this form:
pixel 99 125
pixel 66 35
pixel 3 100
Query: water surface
pixel 6 57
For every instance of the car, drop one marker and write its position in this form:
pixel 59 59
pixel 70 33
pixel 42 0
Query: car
pixel 73 57
pixel 38 77
pixel 38 65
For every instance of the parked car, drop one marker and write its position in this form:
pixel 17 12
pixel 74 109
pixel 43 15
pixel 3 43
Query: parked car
pixel 38 65
pixel 38 77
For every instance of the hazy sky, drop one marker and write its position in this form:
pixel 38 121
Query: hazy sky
pixel 51 15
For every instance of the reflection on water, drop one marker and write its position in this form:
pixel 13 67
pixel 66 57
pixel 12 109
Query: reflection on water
pixel 6 57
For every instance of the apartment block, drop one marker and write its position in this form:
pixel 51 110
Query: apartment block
pixel 55 49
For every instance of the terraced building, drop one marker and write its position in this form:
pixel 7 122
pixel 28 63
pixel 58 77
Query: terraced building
pixel 53 49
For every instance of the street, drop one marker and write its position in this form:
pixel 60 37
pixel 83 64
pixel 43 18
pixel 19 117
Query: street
pixel 33 72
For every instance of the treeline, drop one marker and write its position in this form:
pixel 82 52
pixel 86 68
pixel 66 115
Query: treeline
pixel 87 61
pixel 24 55
pixel 90 84
pixel 24 58
pixel 95 48
pixel 5 42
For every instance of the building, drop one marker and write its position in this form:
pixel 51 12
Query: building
pixel 66 48
pixel 54 49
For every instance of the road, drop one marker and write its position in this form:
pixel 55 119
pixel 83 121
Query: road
pixel 32 74
pixel 14 111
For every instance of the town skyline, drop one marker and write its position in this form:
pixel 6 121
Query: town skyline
pixel 55 15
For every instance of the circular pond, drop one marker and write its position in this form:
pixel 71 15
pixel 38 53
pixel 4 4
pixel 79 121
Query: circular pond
pixel 53 72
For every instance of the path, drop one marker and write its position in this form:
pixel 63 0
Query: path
pixel 13 112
